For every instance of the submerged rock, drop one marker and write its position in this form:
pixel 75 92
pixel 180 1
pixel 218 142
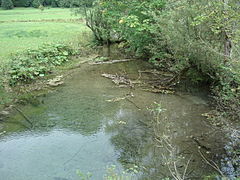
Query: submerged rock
pixel 230 163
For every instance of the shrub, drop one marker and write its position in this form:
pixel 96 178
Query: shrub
pixel 7 4
pixel 37 3
pixel 37 63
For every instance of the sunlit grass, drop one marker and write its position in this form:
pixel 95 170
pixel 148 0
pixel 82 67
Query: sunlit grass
pixel 25 14
pixel 18 36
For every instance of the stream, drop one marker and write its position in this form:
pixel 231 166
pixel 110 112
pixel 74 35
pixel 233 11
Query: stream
pixel 78 128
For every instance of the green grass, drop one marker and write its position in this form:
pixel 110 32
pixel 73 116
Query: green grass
pixel 25 14
pixel 17 36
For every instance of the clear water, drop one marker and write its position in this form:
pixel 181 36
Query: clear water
pixel 75 128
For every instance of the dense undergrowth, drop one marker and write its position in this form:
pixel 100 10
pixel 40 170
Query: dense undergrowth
pixel 196 39
pixel 33 64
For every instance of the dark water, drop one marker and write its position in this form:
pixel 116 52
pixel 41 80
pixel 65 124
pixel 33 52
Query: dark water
pixel 76 128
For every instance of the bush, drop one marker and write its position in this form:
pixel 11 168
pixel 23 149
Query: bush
pixel 22 3
pixel 7 4
pixel 179 36
pixel 37 3
pixel 37 63
pixel 54 3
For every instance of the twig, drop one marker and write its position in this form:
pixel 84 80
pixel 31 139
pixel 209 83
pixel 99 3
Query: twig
pixel 185 170
pixel 173 175
pixel 214 164
pixel 25 117
pixel 133 103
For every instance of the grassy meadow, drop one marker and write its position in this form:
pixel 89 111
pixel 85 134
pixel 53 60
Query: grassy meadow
pixel 24 28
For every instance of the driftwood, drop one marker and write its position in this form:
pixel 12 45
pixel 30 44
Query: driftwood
pixel 156 72
pixel 154 86
pixel 158 82
pixel 119 80
pixel 110 62
pixel 155 90
pixel 120 98
pixel 165 79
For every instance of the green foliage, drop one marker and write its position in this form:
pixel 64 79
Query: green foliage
pixel 37 3
pixel 7 4
pixel 37 63
pixel 54 3
pixel 84 176
pixel 227 90
pixel 202 36
pixel 17 37
pixel 112 174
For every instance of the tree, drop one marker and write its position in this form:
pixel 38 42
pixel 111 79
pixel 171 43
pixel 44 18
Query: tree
pixel 7 4
pixel 37 3
pixel 223 18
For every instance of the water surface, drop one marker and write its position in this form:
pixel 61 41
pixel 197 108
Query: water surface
pixel 76 128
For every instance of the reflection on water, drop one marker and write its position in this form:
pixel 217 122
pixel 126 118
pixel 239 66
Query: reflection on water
pixel 75 128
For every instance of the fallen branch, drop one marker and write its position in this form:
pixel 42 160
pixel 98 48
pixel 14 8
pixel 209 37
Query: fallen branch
pixel 156 72
pixel 119 80
pixel 155 90
pixel 133 103
pixel 120 98
pixel 111 62
pixel 200 144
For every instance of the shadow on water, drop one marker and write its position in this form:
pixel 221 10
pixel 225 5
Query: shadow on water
pixel 76 128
